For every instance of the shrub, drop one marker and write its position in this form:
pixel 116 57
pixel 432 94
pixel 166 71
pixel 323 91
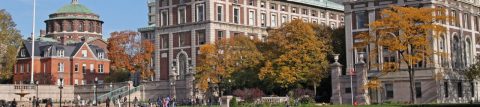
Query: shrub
pixel 249 95
pixel 233 102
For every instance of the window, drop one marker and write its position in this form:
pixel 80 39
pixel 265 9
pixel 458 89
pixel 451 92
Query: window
pixel 76 68
pixel 100 68
pixel 219 13
pixel 314 13
pixel 101 55
pixel 236 15
pixel 60 53
pixel 273 20
pixel 76 82
pixel 283 8
pixel 164 18
pixel 445 87
pixel 182 39
pixel 322 14
pixel 472 89
pixel 466 21
pixel 201 37
pixel 305 11
pixel 200 13
pixel 262 4
pixel 264 38
pixel 348 90
pixel 263 18
pixel 181 16
pixel 273 6
pixel 389 90
pixel 60 67
pixel 70 26
pixel 333 25
pixel 28 68
pixel 83 82
pixel 92 68
pixel 91 27
pixel 418 89
pixel 84 53
pixel 181 1
pixel 21 68
pixel 81 27
pixel 251 18
pixel 219 35
pixel 22 53
pixel 459 89
pixel 84 68
pixel 164 40
pixel 361 20
pixel 284 19
pixel 251 2
pixel 44 68
pixel 294 10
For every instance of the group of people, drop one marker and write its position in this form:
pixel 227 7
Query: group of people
pixel 162 102
pixel 121 103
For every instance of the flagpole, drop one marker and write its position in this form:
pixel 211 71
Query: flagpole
pixel 32 54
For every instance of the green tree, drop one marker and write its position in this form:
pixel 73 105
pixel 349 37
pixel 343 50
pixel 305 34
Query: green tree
pixel 406 32
pixel 10 42
pixel 473 71
pixel 294 54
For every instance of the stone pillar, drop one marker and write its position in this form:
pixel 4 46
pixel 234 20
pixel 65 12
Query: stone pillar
pixel 361 71
pixel 336 72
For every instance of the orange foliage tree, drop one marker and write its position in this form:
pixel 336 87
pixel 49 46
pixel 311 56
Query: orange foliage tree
pixel 406 32
pixel 128 52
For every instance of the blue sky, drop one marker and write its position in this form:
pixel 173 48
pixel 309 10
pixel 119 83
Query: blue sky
pixel 117 14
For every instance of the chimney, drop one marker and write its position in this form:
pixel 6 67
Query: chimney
pixel 43 33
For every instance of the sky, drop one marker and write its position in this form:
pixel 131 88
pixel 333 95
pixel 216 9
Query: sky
pixel 117 15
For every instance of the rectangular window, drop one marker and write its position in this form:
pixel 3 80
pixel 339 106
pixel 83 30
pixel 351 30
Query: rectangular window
pixel 28 67
pixel 284 18
pixel 92 68
pixel 83 82
pixel 60 67
pixel 284 8
pixel 251 2
pixel 164 18
pixel 101 55
pixel 273 6
pixel 200 13
pixel 182 39
pixel 251 18
pixel 76 82
pixel 201 37
pixel 236 15
pixel 466 23
pixel 361 20
pixel 305 11
pixel 100 68
pixel 348 90
pixel 84 68
pixel 389 90
pixel 219 13
pixel 262 4
pixel 472 89
pixel 84 53
pixel 418 89
pixel 76 67
pixel 164 40
pixel 445 87
pixel 219 35
pixel 181 16
pixel 273 20
pixel 22 53
pixel 21 68
pixel 314 13
pixel 294 10
pixel 459 89
pixel 263 18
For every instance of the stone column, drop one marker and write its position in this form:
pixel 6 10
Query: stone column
pixel 361 71
pixel 336 72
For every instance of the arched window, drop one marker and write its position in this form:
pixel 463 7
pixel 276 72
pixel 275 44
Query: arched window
pixel 91 27
pixel 81 26
pixel 456 54
pixel 182 65
pixel 60 27
pixel 468 52
pixel 441 48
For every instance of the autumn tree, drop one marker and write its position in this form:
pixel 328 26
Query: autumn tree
pixel 473 70
pixel 128 52
pixel 294 54
pixel 406 32
pixel 10 42
pixel 220 59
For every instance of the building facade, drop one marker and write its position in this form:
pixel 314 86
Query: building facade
pixel 440 81
pixel 180 27
pixel 71 48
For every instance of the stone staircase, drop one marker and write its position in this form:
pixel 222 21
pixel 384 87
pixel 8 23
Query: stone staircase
pixel 119 92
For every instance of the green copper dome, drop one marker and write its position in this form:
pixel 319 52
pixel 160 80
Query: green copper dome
pixel 74 8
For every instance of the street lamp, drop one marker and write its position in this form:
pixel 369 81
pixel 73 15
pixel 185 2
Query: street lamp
pixel 173 77
pixel 36 83
pixel 60 86
pixel 95 91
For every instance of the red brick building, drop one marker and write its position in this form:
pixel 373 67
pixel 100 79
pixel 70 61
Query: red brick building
pixel 71 48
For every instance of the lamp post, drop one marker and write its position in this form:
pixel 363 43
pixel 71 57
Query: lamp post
pixel 95 91
pixel 36 83
pixel 60 86
pixel 173 77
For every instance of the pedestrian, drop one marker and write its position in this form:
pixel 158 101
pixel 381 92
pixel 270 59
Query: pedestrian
pixel 149 102
pixel 159 101
pixel 34 101
pixel 107 102
pixel 125 100
pixel 38 102
pixel 118 101
pixel 14 103
pixel 135 101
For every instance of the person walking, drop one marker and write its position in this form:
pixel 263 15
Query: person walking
pixel 37 104
pixel 14 103
pixel 135 100
pixel 118 101
pixel 107 102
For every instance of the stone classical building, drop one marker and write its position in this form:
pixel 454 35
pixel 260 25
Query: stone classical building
pixel 179 27
pixel 459 42
pixel 71 48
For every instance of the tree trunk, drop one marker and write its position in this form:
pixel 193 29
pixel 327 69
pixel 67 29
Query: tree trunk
pixel 315 89
pixel 411 75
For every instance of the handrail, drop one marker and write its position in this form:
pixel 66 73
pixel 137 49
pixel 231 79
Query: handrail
pixel 112 93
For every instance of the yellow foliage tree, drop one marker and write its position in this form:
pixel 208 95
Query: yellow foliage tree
pixel 294 54
pixel 406 32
